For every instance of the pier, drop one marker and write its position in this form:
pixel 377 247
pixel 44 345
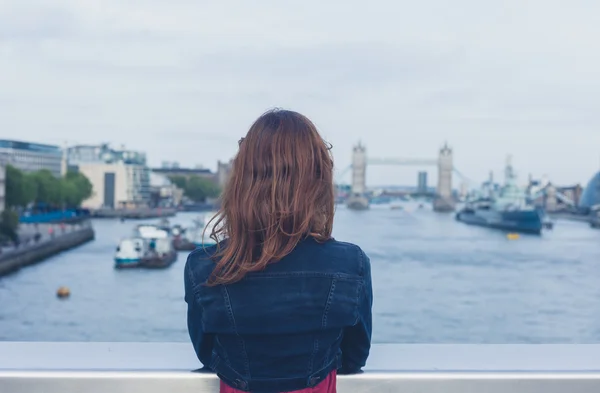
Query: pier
pixel 134 214
pixel 162 367
pixel 53 239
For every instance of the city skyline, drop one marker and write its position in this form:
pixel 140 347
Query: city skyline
pixel 341 175
pixel 182 81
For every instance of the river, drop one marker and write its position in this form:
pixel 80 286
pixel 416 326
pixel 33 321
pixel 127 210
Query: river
pixel 435 281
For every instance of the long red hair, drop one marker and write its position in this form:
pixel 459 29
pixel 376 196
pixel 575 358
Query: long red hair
pixel 280 191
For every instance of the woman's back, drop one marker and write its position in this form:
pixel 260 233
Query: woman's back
pixel 285 328
pixel 279 305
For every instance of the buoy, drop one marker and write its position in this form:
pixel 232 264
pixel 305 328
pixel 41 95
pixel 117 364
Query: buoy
pixel 63 292
pixel 512 236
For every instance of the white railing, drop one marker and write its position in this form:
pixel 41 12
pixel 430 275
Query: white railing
pixel 166 367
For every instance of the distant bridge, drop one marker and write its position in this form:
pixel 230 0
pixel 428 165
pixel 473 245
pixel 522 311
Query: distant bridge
pixel 444 200
pixel 399 161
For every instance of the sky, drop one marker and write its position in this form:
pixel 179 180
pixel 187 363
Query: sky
pixel 183 80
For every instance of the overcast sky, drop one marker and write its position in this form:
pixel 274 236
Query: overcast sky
pixel 184 79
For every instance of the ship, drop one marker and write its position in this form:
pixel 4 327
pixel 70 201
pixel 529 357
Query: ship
pixel 130 252
pixel 506 208
pixel 149 246
pixel 180 238
pixel 199 234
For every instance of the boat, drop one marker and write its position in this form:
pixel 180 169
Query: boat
pixel 130 252
pixel 151 231
pixel 180 240
pixel 396 206
pixel 507 207
pixel 161 253
pixel 158 250
pixel 199 233
pixel 164 224
pixel 407 204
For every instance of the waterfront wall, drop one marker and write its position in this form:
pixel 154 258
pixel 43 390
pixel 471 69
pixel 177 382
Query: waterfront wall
pixel 166 367
pixel 33 253
pixel 140 213
pixel 201 207
pixel 56 216
pixel 570 216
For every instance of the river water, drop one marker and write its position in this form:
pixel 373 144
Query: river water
pixel 435 281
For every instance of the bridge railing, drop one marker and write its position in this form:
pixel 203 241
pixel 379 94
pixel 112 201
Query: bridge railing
pixel 167 367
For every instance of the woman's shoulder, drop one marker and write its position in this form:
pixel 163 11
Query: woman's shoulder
pixel 342 246
pixel 200 264
pixel 349 255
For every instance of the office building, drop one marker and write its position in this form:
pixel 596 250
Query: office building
pixel 163 192
pixel 422 182
pixel 120 177
pixel 223 172
pixel 31 157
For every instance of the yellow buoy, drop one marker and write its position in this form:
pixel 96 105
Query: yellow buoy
pixel 512 236
pixel 63 292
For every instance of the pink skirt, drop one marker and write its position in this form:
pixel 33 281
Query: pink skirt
pixel 325 386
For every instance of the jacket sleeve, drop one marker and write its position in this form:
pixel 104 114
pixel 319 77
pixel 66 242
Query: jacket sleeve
pixel 356 342
pixel 202 342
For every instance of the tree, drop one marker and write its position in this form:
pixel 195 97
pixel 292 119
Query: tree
pixel 76 188
pixel 9 222
pixel 196 188
pixel 20 188
pixel 48 188
pixel 179 181
pixel 69 193
pixel 43 188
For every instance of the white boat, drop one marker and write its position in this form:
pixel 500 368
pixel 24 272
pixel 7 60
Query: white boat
pixel 161 253
pixel 130 252
pixel 408 205
pixel 149 231
pixel 199 234
pixel 153 245
pixel 163 246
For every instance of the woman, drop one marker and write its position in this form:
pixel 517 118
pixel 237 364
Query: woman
pixel 279 305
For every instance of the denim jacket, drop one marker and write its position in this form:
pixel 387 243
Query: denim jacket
pixel 287 327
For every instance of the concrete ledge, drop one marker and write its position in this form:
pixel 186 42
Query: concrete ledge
pixel 166 367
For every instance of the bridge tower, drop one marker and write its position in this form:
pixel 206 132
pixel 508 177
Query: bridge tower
pixel 550 200
pixel 357 200
pixel 444 200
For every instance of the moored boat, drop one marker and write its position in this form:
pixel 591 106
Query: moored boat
pixel 153 244
pixel 180 240
pixel 199 233
pixel 160 254
pixel 506 208
pixel 129 252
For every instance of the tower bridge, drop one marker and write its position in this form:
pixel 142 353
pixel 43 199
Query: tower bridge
pixel 443 201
